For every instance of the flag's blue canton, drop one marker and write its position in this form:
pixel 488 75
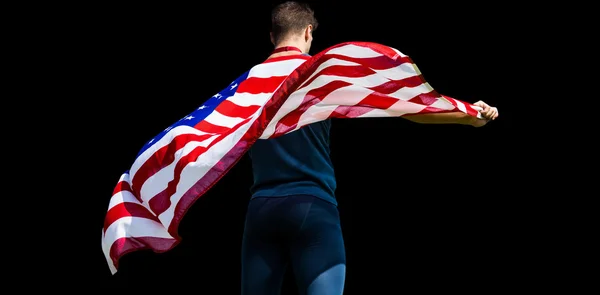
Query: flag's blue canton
pixel 201 112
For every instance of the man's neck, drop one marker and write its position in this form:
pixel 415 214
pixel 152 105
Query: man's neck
pixel 288 52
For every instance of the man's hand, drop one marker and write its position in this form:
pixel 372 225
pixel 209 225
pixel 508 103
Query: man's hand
pixel 489 114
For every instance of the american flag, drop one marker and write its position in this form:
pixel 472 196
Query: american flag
pixel 278 96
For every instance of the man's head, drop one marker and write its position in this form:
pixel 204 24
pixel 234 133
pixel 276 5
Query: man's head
pixel 293 22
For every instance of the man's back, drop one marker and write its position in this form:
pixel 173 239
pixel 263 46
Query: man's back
pixel 292 218
pixel 294 164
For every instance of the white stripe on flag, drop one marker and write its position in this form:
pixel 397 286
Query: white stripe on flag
pixel 354 51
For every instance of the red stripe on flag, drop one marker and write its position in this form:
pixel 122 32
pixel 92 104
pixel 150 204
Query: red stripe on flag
pixel 207 127
pixel 347 71
pixel 395 85
pixel 425 98
pixel 349 111
pixel 378 101
pixel 123 186
pixel 339 70
pixel 255 85
pixel 127 209
pixel 230 109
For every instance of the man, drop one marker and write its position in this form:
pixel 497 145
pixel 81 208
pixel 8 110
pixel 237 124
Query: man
pixel 292 217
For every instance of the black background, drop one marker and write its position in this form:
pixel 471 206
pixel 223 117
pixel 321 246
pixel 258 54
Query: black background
pixel 422 206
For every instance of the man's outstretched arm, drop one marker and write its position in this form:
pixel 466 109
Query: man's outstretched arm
pixel 488 113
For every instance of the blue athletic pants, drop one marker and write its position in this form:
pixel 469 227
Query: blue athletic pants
pixel 299 231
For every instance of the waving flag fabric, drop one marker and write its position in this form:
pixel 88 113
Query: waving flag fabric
pixel 279 96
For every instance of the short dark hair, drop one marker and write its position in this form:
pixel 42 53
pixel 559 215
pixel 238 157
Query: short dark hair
pixel 291 17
